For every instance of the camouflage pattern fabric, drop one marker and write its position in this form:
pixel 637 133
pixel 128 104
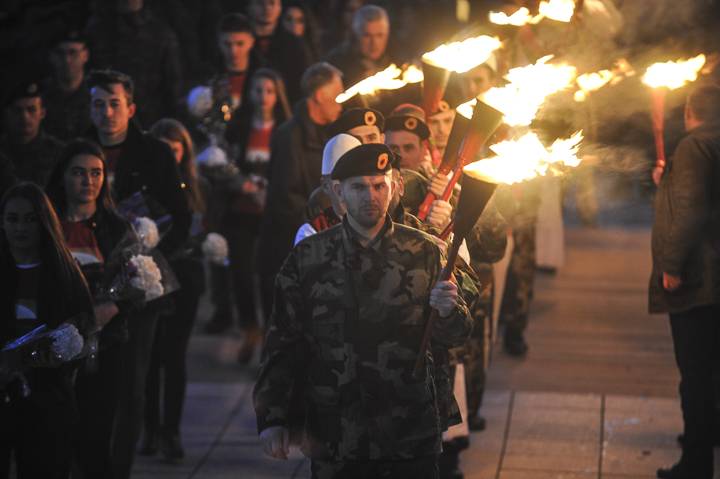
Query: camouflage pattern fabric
pixel 420 468
pixel 349 319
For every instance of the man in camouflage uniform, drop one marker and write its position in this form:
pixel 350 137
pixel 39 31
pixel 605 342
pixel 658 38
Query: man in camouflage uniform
pixel 350 310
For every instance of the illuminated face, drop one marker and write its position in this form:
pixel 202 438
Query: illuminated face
pixel 407 146
pixel 366 198
pixel 263 94
pixel 83 179
pixel 477 81
pixel 21 225
pixel 265 12
pixel 367 134
pixel 294 21
pixel 373 39
pixel 328 109
pixel 328 187
pixel 23 118
pixel 440 125
pixel 235 48
pixel 177 148
pixel 109 109
pixel 69 59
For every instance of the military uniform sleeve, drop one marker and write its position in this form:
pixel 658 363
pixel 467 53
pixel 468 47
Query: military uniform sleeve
pixel 687 187
pixel 488 238
pixel 453 330
pixel 285 353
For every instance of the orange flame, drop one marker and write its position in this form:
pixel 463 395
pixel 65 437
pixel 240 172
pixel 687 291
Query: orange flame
pixel 524 95
pixel 559 10
pixel 392 78
pixel 518 19
pixel 462 56
pixel 590 82
pixel 673 75
pixel 526 158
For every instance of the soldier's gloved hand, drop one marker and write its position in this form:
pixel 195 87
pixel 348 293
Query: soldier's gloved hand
pixel 438 184
pixel 439 215
pixel 444 298
pixel 276 441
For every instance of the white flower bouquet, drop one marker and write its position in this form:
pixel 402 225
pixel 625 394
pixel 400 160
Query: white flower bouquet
pixel 146 276
pixel 147 231
pixel 215 249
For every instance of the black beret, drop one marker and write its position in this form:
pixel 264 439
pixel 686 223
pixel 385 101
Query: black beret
pixel 357 117
pixel 70 36
pixel 408 123
pixel 364 160
pixel 22 89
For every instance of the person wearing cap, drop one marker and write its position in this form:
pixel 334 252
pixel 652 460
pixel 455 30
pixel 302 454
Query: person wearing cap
pixel 351 307
pixel 325 209
pixel 32 152
pixel 366 124
pixel 66 98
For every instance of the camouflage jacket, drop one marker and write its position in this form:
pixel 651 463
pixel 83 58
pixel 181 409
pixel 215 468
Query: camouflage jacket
pixel 350 319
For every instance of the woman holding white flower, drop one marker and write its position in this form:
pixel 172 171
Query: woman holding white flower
pixel 93 231
pixel 44 286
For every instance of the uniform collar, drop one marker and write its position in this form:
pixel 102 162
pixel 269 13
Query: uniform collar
pixel 352 239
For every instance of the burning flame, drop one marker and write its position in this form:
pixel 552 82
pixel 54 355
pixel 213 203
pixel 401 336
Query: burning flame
pixel 590 82
pixel 392 78
pixel 517 19
pixel 526 158
pixel 528 86
pixel 463 56
pixel 559 10
pixel 673 75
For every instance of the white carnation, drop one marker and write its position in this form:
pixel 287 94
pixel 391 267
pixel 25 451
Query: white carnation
pixel 66 342
pixel 200 101
pixel 147 231
pixel 212 156
pixel 147 276
pixel 215 249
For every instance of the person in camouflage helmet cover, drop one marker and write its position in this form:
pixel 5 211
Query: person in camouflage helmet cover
pixel 350 308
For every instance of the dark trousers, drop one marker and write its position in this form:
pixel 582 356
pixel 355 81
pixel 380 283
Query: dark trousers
pixel 425 467
pixel 97 395
pixel 519 285
pixel 241 238
pixel 39 436
pixel 131 401
pixel 168 368
pixel 696 338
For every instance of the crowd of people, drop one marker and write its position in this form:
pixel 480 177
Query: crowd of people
pixel 159 133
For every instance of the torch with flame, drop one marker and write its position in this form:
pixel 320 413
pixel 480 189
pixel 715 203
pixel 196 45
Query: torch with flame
pixel 662 77
pixel 558 10
pixel 391 78
pixel 458 57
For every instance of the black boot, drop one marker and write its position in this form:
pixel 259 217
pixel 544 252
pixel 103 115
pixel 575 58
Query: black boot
pixel 514 344
pixel 149 446
pixel 171 447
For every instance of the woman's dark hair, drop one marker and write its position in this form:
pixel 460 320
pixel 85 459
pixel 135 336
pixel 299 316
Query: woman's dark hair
pixel 312 30
pixel 173 130
pixel 53 253
pixel 282 109
pixel 56 184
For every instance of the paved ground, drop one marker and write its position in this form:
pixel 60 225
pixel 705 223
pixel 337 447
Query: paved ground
pixel 595 398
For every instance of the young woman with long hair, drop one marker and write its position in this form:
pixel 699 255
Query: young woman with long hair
pixel 43 286
pixel 92 229
pixel 173 333
pixel 250 132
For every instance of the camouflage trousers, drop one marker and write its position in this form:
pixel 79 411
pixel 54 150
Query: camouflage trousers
pixel 520 279
pixel 477 347
pixel 419 468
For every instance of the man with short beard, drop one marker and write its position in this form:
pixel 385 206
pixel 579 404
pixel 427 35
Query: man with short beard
pixel 350 311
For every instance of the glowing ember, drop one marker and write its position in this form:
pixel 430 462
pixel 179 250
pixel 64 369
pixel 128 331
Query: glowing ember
pixel 392 78
pixel 462 56
pixel 528 86
pixel 517 19
pixel 559 10
pixel 672 75
pixel 525 159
